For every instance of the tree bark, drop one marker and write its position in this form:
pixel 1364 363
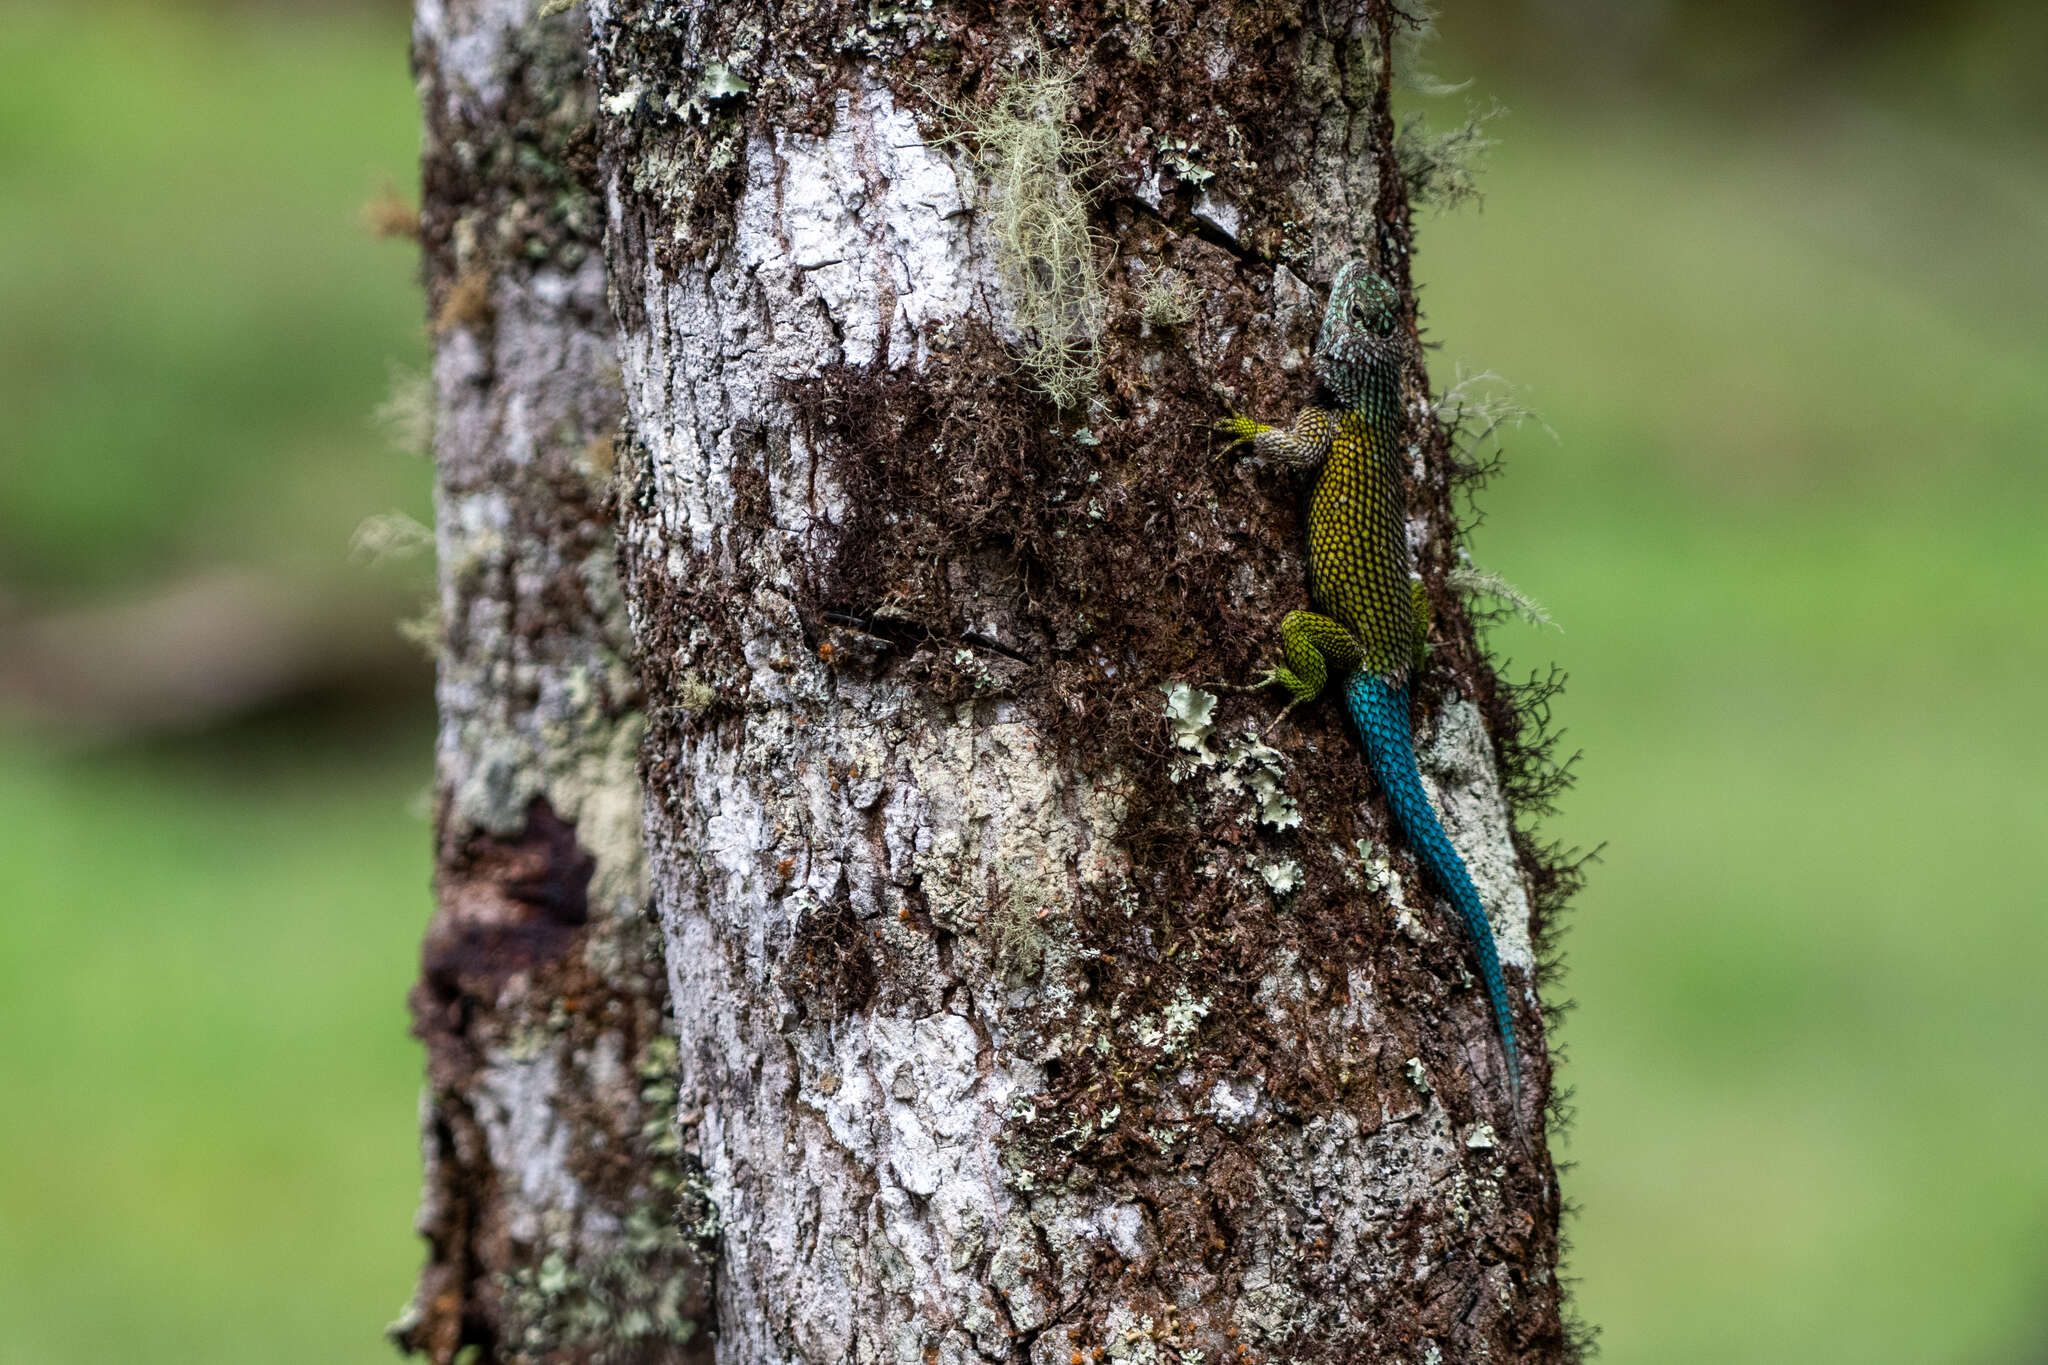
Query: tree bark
pixel 1027 1005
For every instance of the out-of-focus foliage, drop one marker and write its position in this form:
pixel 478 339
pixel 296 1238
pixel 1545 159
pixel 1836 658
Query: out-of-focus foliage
pixel 1979 59
pixel 209 1091
pixel 1771 273
pixel 196 327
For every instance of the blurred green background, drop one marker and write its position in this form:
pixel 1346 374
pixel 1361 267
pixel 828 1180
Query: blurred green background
pixel 1772 273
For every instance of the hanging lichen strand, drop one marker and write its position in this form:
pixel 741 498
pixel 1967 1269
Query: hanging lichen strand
pixel 1035 161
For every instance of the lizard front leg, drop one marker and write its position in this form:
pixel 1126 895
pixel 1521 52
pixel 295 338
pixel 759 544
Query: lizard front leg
pixel 1307 446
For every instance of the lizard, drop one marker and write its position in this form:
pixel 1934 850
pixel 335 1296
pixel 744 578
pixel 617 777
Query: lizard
pixel 1369 630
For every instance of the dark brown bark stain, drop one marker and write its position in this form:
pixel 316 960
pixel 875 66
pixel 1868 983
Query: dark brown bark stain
pixel 507 906
pixel 504 957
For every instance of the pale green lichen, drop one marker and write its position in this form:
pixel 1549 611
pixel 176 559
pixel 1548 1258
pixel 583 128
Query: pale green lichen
pixel 1442 169
pixel 405 419
pixel 693 695
pixel 1246 764
pixel 422 629
pixel 1262 771
pixel 1021 937
pixel 659 1059
pixel 1468 579
pixel 614 1309
pixel 1191 719
pixel 1481 405
pixel 385 536
pixel 472 554
pixel 1167 299
pixel 1284 876
pixel 1174 1027
pixel 1416 31
pixel 719 82
pixel 1183 158
pixel 1379 872
pixel 627 1299
pixel 889 28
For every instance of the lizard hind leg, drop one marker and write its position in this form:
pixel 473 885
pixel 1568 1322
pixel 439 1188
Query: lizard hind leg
pixel 1316 648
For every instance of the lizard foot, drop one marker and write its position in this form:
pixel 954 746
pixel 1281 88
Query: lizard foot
pixel 1240 429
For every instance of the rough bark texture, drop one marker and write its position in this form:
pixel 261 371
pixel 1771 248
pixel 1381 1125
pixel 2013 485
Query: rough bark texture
pixel 1025 1021
pixel 556 1177
pixel 1027 1006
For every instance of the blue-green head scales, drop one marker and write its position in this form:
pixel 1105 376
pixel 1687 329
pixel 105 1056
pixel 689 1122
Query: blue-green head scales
pixel 1363 349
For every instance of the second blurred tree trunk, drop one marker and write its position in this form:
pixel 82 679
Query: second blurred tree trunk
pixel 555 1168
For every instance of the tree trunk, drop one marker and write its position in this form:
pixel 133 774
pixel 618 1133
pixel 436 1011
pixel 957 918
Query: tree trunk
pixel 1028 1006
pixel 555 1168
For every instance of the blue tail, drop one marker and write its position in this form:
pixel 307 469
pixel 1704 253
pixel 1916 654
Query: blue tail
pixel 1379 710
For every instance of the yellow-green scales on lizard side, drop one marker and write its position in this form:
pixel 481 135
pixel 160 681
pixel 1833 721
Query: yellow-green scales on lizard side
pixel 1369 630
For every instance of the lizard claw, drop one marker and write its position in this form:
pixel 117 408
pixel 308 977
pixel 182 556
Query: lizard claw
pixel 1240 429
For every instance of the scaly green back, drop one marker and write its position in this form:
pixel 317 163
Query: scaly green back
pixel 1359 564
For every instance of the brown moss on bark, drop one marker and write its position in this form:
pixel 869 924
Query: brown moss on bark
pixel 829 966
pixel 693 85
pixel 1105 571
pixel 513 184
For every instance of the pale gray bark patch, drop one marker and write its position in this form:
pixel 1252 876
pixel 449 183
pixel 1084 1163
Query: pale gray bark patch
pixel 1463 777
pixel 888 1122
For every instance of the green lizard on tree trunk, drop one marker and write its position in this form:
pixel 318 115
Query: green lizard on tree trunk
pixel 1370 626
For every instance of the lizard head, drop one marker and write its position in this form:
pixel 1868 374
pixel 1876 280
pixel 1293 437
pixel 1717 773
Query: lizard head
pixel 1362 347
